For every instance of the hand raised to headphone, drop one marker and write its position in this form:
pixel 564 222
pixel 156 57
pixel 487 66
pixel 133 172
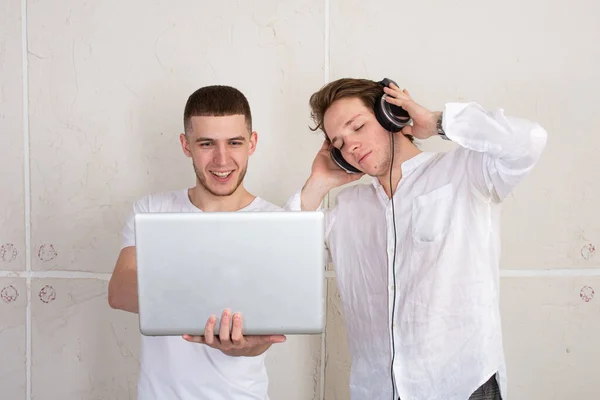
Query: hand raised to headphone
pixel 325 175
pixel 424 121
pixel 325 168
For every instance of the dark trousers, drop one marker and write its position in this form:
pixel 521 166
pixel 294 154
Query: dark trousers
pixel 488 391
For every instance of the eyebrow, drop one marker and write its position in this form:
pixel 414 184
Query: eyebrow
pixel 206 139
pixel 350 121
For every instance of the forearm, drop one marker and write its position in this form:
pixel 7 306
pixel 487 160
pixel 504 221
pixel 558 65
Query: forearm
pixel 123 291
pixel 312 195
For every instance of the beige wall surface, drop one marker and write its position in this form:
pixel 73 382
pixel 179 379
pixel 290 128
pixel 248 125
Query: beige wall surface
pixel 91 104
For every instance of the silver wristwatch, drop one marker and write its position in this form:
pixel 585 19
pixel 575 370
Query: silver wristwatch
pixel 440 130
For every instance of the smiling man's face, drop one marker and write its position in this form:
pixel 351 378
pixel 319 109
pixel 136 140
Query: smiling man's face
pixel 219 147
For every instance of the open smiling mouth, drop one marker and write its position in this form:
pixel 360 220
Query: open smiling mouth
pixel 221 175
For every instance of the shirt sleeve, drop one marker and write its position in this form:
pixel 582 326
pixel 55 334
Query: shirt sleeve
pixel 503 150
pixel 294 203
pixel 128 232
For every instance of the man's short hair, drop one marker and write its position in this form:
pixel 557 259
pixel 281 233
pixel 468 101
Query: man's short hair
pixel 216 100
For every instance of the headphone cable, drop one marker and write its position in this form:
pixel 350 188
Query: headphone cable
pixel 394 273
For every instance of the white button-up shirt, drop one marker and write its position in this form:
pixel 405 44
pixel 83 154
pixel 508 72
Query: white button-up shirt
pixel 446 321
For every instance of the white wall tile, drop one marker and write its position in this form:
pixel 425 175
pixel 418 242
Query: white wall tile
pixel 294 368
pixel 527 58
pixel 13 303
pixel 12 203
pixel 81 348
pixel 108 84
pixel 550 330
pixel 551 337
pixel 337 367
pixel 97 348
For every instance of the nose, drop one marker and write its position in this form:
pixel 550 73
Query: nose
pixel 352 145
pixel 221 155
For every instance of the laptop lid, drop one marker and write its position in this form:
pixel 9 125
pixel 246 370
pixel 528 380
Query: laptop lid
pixel 269 266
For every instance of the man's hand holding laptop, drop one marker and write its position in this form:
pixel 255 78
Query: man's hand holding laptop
pixel 230 340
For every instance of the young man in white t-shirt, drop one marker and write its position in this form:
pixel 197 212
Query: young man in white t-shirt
pixel 219 139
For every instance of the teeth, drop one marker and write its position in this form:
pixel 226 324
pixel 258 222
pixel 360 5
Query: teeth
pixel 221 174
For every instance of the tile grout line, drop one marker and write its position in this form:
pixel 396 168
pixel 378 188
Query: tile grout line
pixel 328 199
pixel 531 273
pixel 516 273
pixel 505 273
pixel 27 193
pixel 54 274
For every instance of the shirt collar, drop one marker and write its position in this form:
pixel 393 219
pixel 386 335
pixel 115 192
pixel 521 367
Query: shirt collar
pixel 407 167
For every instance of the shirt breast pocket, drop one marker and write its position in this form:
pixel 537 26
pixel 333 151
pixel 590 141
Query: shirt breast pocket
pixel 431 214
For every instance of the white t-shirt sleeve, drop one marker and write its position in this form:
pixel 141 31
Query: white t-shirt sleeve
pixel 128 233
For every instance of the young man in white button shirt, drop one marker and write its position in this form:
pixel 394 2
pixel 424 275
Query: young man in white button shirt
pixel 219 140
pixel 421 296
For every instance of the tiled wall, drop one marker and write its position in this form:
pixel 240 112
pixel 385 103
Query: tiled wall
pixel 91 102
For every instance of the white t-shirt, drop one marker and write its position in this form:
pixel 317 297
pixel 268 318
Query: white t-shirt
pixel 172 368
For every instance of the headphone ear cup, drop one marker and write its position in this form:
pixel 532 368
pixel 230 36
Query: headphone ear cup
pixel 392 117
pixel 336 156
pixel 382 118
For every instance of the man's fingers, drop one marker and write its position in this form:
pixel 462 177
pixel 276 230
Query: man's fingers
pixel 265 339
pixel 277 339
pixel 407 104
pixel 224 332
pixel 209 330
pixel 397 96
pixel 236 332
pixel 194 339
pixel 398 100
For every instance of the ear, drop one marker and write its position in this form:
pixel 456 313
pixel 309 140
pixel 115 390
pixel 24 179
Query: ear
pixel 252 143
pixel 185 146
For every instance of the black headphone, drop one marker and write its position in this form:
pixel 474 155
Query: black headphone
pixel 392 117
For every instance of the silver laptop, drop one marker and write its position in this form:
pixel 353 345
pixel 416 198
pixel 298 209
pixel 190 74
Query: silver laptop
pixel 267 265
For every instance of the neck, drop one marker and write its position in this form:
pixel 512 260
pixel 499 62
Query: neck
pixel 404 150
pixel 208 202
